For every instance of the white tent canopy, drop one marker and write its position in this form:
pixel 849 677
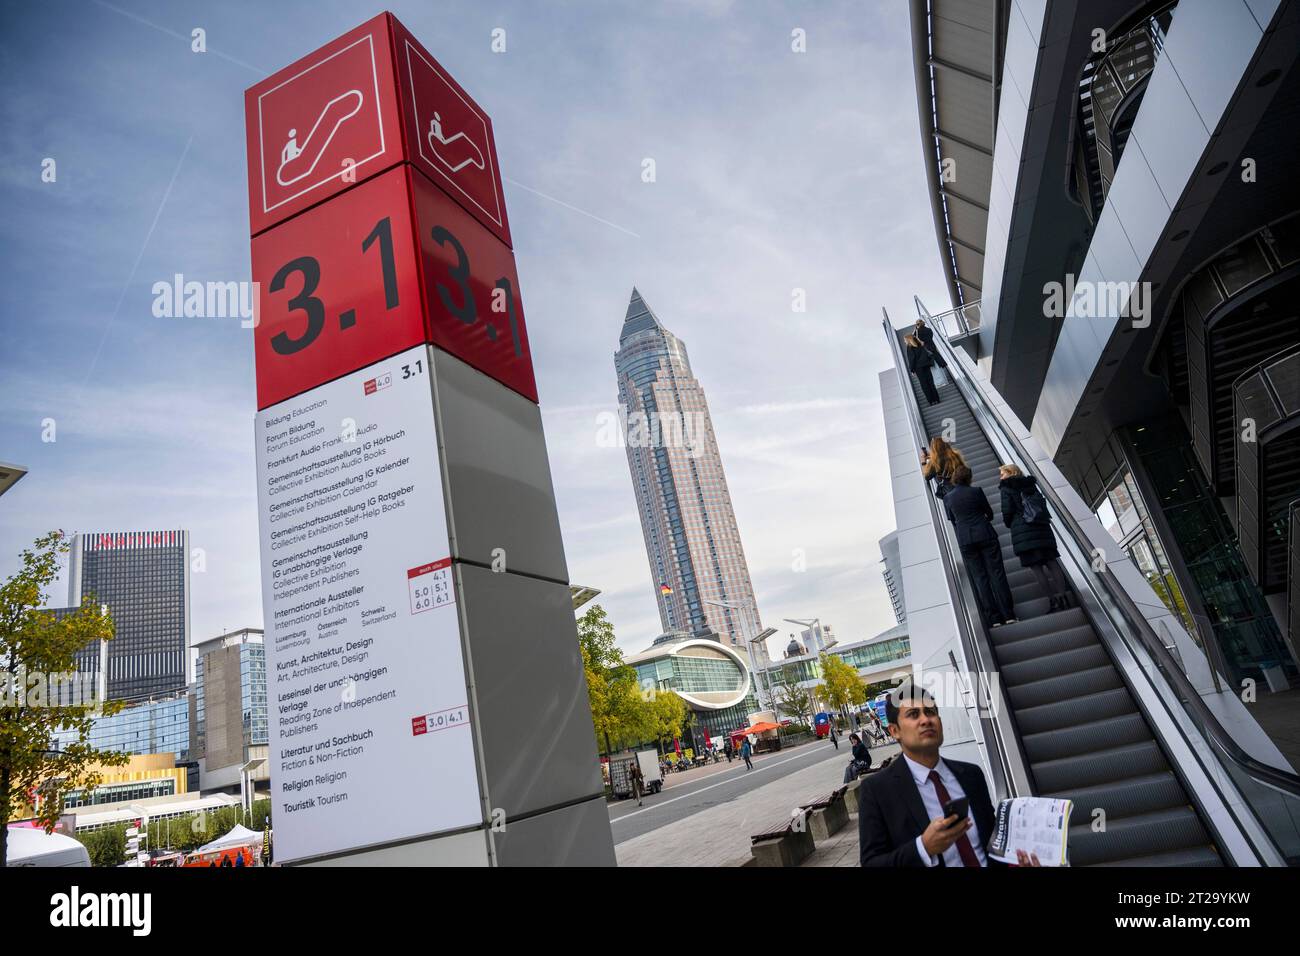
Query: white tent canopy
pixel 34 847
pixel 239 835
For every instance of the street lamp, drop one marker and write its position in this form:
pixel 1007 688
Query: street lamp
pixel 814 625
pixel 749 641
pixel 581 595
pixel 767 632
pixel 247 788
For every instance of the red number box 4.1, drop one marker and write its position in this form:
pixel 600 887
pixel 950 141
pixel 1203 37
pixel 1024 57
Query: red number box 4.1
pixel 374 271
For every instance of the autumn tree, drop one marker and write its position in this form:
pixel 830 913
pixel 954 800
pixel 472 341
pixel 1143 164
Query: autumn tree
pixel 842 685
pixel 668 717
pixel 612 690
pixel 789 696
pixel 41 695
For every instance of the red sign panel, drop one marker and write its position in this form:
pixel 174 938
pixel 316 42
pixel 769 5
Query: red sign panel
pixel 448 136
pixel 323 124
pixel 338 289
pixel 395 257
pixel 471 291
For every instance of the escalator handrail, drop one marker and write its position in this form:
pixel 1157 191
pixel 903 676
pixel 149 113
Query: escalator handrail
pixel 1011 771
pixel 1205 718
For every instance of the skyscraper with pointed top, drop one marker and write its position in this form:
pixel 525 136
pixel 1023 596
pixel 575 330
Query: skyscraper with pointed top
pixel 691 538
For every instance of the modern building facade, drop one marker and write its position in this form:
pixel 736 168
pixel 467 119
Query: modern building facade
pixel 149 727
pixel 1121 268
pixel 144 579
pixel 229 716
pixel 883 659
pixel 707 674
pixel 892 572
pixel 697 564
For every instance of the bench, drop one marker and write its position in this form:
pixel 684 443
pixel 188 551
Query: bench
pixel 829 814
pixel 851 797
pixel 786 843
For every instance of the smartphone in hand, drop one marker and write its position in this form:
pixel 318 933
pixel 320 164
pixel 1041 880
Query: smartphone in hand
pixel 958 808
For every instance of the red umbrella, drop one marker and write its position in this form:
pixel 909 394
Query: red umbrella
pixel 677 745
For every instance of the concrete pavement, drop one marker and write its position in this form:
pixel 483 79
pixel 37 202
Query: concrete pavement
pixel 718 835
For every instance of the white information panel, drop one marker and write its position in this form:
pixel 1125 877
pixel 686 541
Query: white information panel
pixel 369 724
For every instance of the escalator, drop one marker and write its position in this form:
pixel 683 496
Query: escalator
pixel 1072 722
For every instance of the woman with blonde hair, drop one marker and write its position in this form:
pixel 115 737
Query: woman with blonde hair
pixel 920 362
pixel 940 461
pixel 1024 511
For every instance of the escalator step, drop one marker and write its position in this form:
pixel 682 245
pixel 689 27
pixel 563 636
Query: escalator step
pixel 1009 633
pixel 1143 835
pixel 1026 591
pixel 1083 770
pixel 1124 798
pixel 1028 608
pixel 1103 734
pixel 1014 652
pixel 1060 664
pixel 1192 856
pixel 1064 688
pixel 1077 710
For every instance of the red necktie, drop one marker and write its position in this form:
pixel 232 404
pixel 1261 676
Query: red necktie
pixel 968 857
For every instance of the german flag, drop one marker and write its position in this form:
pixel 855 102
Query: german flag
pixel 665 589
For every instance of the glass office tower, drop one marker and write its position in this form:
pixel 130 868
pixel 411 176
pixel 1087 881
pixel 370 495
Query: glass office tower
pixel 144 578
pixel 691 538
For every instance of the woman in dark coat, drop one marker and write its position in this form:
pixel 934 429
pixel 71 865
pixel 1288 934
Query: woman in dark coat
pixel 920 363
pixel 925 335
pixel 1034 543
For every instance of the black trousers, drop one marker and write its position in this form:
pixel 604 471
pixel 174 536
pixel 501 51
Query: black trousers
pixel 927 384
pixel 984 564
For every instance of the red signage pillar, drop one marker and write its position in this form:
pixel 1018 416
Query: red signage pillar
pixel 419 630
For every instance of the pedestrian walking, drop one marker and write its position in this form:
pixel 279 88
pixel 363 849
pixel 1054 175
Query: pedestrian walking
pixel 637 778
pixel 835 737
pixel 745 751
pixel 940 461
pixel 969 511
pixel 728 750
pixel 925 335
pixel 921 364
pixel 1024 511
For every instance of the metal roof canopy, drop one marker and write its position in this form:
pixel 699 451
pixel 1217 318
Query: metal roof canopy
pixel 9 475
pixel 957 48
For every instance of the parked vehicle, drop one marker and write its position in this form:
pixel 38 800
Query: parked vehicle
pixel 651 773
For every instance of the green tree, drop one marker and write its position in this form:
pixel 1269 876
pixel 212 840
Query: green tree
pixel 668 715
pixel 790 698
pixel 37 649
pixel 842 685
pixel 106 846
pixel 612 691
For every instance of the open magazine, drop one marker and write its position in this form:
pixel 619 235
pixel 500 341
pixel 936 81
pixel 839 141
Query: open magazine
pixel 1038 825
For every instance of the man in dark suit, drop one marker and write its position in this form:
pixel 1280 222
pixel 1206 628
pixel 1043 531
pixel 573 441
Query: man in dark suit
pixel 900 817
pixel 926 335
pixel 969 510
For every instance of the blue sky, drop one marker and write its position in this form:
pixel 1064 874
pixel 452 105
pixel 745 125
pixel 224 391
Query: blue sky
pixel 775 171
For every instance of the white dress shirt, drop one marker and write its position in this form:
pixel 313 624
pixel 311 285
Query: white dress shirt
pixel 933 809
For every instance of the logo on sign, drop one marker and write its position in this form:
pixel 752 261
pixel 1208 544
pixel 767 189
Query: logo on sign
pixel 372 385
pixel 453 136
pixel 320 124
